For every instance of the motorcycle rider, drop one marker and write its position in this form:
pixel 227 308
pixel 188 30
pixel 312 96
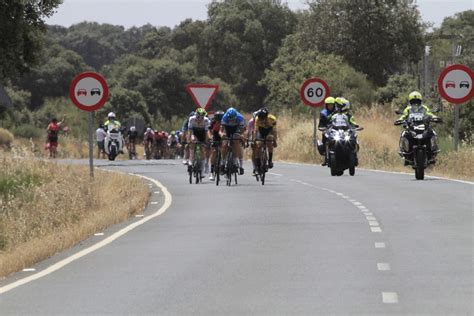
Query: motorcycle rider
pixel 416 105
pixel 344 106
pixel 329 108
pixel 113 124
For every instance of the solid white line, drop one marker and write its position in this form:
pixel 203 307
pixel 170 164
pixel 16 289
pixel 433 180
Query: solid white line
pixel 106 241
pixel 383 266
pixel 376 229
pixel 390 297
pixel 29 270
pixel 379 245
pixel 157 192
pixel 139 215
pixel 373 223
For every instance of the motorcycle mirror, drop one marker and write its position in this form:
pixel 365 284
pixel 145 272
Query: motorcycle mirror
pixel 359 129
pixel 322 129
pixel 398 112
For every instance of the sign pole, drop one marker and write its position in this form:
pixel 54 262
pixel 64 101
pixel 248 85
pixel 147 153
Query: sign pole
pixel 456 126
pixel 90 118
pixel 315 129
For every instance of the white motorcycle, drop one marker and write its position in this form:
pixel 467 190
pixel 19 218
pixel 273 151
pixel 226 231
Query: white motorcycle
pixel 113 143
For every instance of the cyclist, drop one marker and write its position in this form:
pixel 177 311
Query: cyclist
pixel 265 129
pixel 132 135
pixel 172 144
pixel 232 126
pixel 214 129
pixel 250 140
pixel 52 140
pixel 148 140
pixel 184 139
pixel 329 108
pixel 197 132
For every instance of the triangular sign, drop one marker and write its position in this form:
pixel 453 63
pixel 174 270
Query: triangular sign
pixel 202 94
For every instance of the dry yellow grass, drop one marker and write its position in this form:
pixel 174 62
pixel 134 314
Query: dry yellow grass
pixel 378 145
pixel 47 207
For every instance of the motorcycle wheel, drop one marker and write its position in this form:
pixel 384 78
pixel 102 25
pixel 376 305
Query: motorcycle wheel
pixel 352 163
pixel 340 173
pixel 112 153
pixel 420 167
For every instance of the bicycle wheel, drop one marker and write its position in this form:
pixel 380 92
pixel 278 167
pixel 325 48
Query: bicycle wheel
pixel 229 167
pixel 264 165
pixel 217 167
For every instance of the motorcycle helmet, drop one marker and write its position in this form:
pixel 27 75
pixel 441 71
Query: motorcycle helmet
pixel 343 105
pixel 262 113
pixel 415 98
pixel 111 115
pixel 329 101
pixel 133 129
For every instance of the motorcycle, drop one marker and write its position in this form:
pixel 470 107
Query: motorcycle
pixel 341 145
pixel 418 142
pixel 113 143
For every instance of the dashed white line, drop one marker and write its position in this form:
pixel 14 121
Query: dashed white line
pixel 390 297
pixel 371 218
pixel 383 266
pixel 379 245
pixel 154 203
pixel 275 174
pixel 357 203
pixel 373 223
pixel 368 213
pixel 376 229
pixel 157 192
pixel 29 270
pixel 139 215
pixel 99 234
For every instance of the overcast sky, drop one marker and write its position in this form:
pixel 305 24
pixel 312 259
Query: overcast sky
pixel 172 12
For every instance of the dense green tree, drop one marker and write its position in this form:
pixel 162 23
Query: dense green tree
pixel 294 65
pixel 376 37
pixel 125 103
pixel 21 34
pixel 240 41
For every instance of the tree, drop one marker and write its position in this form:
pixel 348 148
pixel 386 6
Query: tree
pixel 294 65
pixel 240 41
pixel 22 29
pixel 376 37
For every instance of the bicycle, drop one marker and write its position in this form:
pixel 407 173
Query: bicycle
pixel 230 167
pixel 216 172
pixel 196 169
pixel 132 154
pixel 262 161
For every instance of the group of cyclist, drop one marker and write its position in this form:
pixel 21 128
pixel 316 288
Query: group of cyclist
pixel 161 144
pixel 226 130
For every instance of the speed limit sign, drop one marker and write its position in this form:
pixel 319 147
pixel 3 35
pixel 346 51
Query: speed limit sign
pixel 314 91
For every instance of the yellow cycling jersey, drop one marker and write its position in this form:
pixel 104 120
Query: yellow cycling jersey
pixel 270 122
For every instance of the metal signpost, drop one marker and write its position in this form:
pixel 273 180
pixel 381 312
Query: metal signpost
pixel 455 86
pixel 312 93
pixel 89 92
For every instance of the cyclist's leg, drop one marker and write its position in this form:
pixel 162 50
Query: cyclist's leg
pixel 269 141
pixel 253 147
pixel 223 150
pixel 239 153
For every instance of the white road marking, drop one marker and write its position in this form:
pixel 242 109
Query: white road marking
pixel 154 203
pixel 344 196
pixel 139 215
pixel 29 270
pixel 99 234
pixel 362 207
pixel 367 213
pixel 157 192
pixel 275 174
pixel 376 229
pixel 379 245
pixel 373 223
pixel 104 242
pixel 371 218
pixel 383 266
pixel 357 203
pixel 390 297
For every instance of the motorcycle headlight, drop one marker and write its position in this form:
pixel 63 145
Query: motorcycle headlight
pixel 337 137
pixel 347 138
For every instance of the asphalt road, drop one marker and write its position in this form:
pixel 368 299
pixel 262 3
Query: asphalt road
pixel 305 243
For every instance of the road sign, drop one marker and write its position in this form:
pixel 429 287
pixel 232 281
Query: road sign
pixel 89 91
pixel 202 94
pixel 314 91
pixel 455 84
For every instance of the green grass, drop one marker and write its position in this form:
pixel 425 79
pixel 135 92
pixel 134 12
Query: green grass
pixel 13 183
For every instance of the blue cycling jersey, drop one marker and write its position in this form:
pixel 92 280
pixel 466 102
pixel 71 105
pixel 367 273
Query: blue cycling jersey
pixel 237 121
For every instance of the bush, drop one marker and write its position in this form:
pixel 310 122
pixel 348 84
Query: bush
pixel 6 138
pixel 28 131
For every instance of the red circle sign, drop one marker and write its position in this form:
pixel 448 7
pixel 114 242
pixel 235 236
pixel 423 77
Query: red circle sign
pixel 314 91
pixel 89 91
pixel 455 84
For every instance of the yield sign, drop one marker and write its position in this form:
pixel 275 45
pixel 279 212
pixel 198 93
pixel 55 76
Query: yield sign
pixel 202 94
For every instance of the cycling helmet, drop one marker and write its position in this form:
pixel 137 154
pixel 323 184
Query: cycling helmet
pixel 415 98
pixel 201 112
pixel 231 113
pixel 173 133
pixel 192 113
pixel 111 115
pixel 254 114
pixel 132 129
pixel 262 113
pixel 218 115
pixel 148 129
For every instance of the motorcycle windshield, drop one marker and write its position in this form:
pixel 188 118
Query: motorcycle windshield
pixel 340 121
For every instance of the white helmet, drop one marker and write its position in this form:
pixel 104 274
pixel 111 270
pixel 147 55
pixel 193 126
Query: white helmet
pixel 111 115
pixel 148 130
pixel 132 128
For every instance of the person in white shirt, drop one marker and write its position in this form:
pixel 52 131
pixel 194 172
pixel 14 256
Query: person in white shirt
pixel 100 135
